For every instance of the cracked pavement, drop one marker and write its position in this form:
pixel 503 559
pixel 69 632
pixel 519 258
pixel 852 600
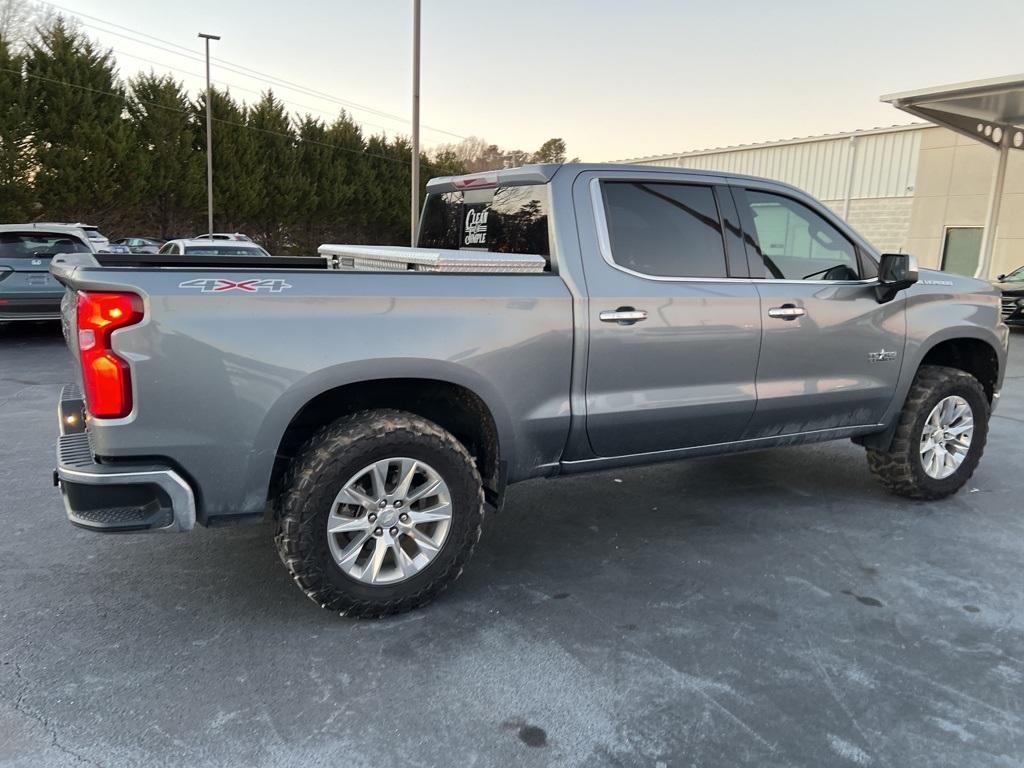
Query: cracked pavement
pixel 774 608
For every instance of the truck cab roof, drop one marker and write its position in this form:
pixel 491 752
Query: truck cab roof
pixel 544 172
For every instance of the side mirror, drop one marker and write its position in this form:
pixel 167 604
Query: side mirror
pixel 1000 278
pixel 896 272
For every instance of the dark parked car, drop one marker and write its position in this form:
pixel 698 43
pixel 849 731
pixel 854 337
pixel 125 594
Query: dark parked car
pixel 1012 286
pixel 141 244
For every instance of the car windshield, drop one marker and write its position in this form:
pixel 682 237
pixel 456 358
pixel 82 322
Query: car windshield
pixel 224 250
pixel 1017 276
pixel 25 244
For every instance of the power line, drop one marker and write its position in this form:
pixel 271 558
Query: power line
pixel 273 82
pixel 294 137
pixel 294 104
pixel 242 69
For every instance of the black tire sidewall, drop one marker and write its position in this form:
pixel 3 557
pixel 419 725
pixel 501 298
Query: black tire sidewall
pixel 974 396
pixel 462 485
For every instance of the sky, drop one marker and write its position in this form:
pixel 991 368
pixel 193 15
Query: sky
pixel 616 80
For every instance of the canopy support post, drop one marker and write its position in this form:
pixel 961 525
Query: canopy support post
pixel 995 199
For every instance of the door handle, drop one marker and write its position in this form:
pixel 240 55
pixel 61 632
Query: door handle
pixel 623 315
pixel 787 312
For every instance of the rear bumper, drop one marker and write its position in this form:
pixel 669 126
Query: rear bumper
pixel 43 307
pixel 113 498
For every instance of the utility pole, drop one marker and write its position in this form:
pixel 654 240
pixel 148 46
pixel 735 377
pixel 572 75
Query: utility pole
pixel 209 135
pixel 415 191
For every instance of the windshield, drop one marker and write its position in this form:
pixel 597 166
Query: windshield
pixel 224 250
pixel 18 244
pixel 1017 276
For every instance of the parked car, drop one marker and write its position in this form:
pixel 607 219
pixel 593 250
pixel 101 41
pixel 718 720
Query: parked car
pixel 1012 288
pixel 98 239
pixel 27 289
pixel 199 247
pixel 224 236
pixel 140 244
pixel 612 316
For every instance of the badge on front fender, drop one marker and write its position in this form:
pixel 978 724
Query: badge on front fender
pixel 223 285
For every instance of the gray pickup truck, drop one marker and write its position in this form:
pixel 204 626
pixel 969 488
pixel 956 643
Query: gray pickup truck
pixel 375 415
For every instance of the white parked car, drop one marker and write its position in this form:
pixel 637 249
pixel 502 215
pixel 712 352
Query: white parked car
pixel 209 247
pixel 98 240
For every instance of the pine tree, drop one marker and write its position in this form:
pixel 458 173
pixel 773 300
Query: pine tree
pixel 330 170
pixel 15 186
pixel 387 199
pixel 275 171
pixel 235 191
pixel 172 195
pixel 344 210
pixel 83 148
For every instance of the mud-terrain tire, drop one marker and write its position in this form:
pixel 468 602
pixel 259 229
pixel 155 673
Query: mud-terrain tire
pixel 326 464
pixel 901 468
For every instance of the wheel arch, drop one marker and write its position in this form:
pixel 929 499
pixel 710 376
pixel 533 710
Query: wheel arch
pixel 970 354
pixel 456 399
pixel 972 349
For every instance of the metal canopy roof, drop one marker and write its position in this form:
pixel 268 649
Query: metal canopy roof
pixel 991 111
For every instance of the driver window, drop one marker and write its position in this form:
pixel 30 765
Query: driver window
pixel 795 243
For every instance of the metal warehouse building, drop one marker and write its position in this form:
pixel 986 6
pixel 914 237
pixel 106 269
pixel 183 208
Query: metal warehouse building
pixel 918 188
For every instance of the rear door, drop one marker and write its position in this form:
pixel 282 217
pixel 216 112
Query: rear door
pixel 831 354
pixel 674 319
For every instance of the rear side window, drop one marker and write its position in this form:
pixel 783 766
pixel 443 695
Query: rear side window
pixel 664 230
pixel 503 220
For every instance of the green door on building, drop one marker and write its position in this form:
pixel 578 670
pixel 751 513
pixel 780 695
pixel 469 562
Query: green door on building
pixel 961 249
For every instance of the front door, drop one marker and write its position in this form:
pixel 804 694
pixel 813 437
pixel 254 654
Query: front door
pixel 830 353
pixel 674 335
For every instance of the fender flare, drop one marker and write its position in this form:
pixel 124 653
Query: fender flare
pixel 302 392
pixel 913 358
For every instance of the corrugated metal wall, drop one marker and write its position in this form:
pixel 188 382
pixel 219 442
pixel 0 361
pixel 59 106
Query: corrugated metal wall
pixel 885 164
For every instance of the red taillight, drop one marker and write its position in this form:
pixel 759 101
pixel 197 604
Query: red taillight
pixel 107 377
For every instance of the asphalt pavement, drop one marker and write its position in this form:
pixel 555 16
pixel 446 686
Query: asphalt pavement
pixel 767 609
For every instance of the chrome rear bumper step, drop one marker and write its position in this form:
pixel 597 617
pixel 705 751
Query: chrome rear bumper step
pixel 115 497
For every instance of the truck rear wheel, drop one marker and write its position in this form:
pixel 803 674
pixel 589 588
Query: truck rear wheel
pixel 379 513
pixel 940 437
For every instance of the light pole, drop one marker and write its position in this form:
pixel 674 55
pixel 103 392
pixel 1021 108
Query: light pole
pixel 209 135
pixel 415 191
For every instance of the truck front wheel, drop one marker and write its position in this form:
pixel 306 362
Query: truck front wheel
pixel 940 437
pixel 379 513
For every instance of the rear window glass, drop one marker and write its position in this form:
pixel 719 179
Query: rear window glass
pixel 17 244
pixel 223 250
pixel 503 220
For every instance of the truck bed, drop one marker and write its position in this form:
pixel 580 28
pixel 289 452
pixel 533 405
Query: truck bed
pixel 213 262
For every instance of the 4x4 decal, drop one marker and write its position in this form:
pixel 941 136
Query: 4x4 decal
pixel 222 285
